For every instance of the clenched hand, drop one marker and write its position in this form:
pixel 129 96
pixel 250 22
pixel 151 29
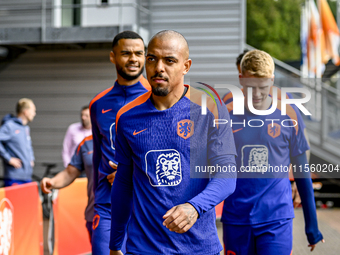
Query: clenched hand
pixel 180 218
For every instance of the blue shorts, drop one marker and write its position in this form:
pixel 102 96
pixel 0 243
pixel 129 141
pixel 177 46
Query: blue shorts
pixel 101 226
pixel 274 238
pixel 101 229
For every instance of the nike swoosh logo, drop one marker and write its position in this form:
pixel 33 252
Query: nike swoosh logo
pixel 234 131
pixel 105 111
pixel 136 133
pixel 89 152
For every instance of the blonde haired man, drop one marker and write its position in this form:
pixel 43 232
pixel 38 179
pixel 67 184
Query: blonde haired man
pixel 15 144
pixel 257 63
pixel 257 217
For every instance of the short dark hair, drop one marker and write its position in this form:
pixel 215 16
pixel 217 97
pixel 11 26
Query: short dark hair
pixel 239 57
pixel 85 107
pixel 125 35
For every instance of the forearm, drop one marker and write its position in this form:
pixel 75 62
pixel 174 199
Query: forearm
pixel 218 188
pixel 121 205
pixel 305 188
pixel 65 177
pixel 216 191
pixel 5 135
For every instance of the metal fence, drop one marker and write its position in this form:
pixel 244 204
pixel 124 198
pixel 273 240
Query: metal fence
pixel 34 21
pixel 323 125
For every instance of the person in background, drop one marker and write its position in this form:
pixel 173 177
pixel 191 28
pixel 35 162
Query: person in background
pixel 239 59
pixel 257 217
pixel 81 161
pixel 75 133
pixel 16 145
pixel 227 98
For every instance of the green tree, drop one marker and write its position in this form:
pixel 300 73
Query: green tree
pixel 274 26
pixel 332 5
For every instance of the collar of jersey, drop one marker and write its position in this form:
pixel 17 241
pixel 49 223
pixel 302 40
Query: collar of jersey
pixel 152 107
pixel 125 87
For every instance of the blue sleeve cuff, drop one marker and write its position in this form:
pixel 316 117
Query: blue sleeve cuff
pixel 314 238
pixel 199 211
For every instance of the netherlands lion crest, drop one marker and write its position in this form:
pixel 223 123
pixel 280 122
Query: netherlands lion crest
pixel 185 128
pixel 274 130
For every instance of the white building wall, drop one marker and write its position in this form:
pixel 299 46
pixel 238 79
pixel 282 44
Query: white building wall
pixel 214 29
pixel 106 15
pixel 57 13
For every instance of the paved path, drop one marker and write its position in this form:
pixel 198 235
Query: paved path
pixel 329 224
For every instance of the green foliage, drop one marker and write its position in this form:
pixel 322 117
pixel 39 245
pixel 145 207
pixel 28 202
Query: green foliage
pixel 274 26
pixel 332 5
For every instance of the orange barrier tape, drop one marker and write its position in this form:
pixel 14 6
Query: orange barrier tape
pixel 21 226
pixel 70 233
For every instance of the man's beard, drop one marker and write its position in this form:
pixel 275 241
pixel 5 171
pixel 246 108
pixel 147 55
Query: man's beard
pixel 86 123
pixel 129 77
pixel 159 91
